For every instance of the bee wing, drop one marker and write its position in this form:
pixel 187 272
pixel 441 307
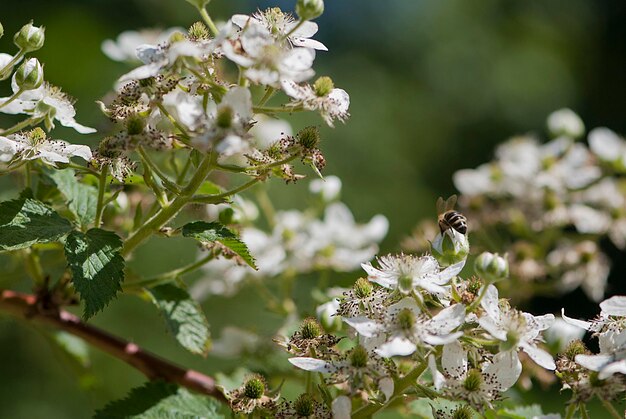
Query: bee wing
pixel 441 206
pixel 450 203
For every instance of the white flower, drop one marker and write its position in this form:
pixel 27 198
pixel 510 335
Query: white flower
pixel 608 146
pixel 46 102
pixel 407 272
pixel 518 329
pixel 49 151
pixel 265 62
pixel 479 386
pixel 124 47
pixel 565 122
pixel 405 327
pixel 475 181
pixel 268 130
pixel 282 24
pixel 328 188
pixel 332 105
pixel 562 333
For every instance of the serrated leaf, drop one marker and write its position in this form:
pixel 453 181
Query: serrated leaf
pixel 184 317
pixel 97 267
pixel 26 221
pixel 82 199
pixel 209 188
pixel 159 400
pixel 207 232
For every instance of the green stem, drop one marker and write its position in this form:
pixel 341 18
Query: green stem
pixel 83 169
pixel 102 184
pixel 609 407
pixel 20 125
pixel 477 301
pixel 295 28
pixel 209 22
pixel 269 92
pixel 33 265
pixel 213 199
pixel 583 411
pixel 11 63
pixel 28 176
pixel 399 387
pixel 173 120
pixel 183 173
pixel 275 109
pixel 159 219
pixel 571 409
pixel 171 275
pixel 230 168
pixel 12 98
pixel 155 169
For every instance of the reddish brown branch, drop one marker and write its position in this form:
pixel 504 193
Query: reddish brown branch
pixel 26 306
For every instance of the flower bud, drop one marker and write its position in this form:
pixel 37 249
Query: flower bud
pixel 1 30
pixel 450 248
pixel 565 122
pixel 29 38
pixel 309 9
pixel 29 74
pixel 491 267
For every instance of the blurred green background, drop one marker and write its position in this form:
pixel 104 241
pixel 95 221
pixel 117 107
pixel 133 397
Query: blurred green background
pixel 434 85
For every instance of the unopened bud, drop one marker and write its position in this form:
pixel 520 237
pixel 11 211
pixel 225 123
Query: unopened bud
pixel 29 38
pixel 450 248
pixel 309 9
pixel 29 74
pixel 1 30
pixel 565 122
pixel 323 86
pixel 491 267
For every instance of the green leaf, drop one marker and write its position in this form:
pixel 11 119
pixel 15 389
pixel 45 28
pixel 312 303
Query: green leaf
pixel 183 316
pixel 215 232
pixel 74 347
pixel 159 400
pixel 82 199
pixel 209 188
pixel 26 221
pixel 521 412
pixel 97 267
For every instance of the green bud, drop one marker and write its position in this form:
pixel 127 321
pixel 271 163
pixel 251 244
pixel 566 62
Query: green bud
pixel 363 288
pixel 29 38
pixel 310 328
pixel 358 357
pixel 1 30
pixel 309 9
pixel 576 347
pixel 254 388
pixel 304 406
pixel 323 86
pixel 224 117
pixel 450 248
pixel 309 137
pixel 176 37
pixel 198 31
pixel 29 74
pixel 199 4
pixel 135 124
pixel 491 267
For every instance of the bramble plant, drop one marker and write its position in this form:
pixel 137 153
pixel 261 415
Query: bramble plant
pixel 196 125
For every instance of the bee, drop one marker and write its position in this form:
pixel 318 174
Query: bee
pixel 448 217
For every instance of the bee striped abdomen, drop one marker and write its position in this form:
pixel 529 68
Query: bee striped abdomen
pixel 455 220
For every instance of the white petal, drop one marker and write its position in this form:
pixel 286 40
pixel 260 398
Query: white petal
pixel 312 364
pixel 142 72
pixel 614 306
pixel 490 302
pixel 342 407
pixel 545 321
pixel 396 346
pixel 364 326
pixel 442 339
pixel 613 368
pixel 505 370
pixel 447 319
pixel 305 30
pixel 308 43
pixel 574 322
pixel 593 362
pixel 490 326
pixel 8 148
pixel 71 123
pixel 540 356
pixel 606 144
pixel 385 385
pixel 438 378
pixel 454 360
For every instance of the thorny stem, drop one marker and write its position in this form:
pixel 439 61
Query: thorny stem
pixel 28 307
pixel 400 386
pixel 102 183
pixel 209 22
pixel 571 409
pixel 583 411
pixel 609 407
pixel 159 219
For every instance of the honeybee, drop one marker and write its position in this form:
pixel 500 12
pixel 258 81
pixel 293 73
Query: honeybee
pixel 448 217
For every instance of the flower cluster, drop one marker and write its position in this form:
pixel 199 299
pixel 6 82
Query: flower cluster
pixel 549 205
